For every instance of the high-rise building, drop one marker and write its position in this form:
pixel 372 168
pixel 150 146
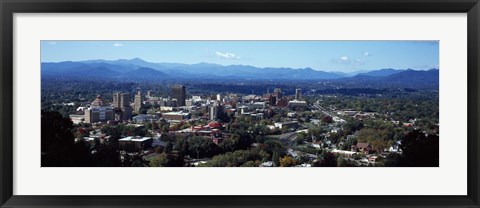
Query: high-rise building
pixel 219 97
pixel 124 100
pixel 116 100
pixel 121 100
pixel 214 111
pixel 121 106
pixel 272 100
pixel 277 93
pixel 137 102
pixel 98 112
pixel 282 102
pixel 149 94
pixel 298 94
pixel 179 93
pixel 189 102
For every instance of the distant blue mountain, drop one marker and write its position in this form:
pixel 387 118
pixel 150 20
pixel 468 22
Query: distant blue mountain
pixel 381 72
pixel 140 70
pixel 145 74
pixel 401 78
pixel 128 68
pixel 414 77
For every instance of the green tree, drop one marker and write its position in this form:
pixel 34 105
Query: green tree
pixel 328 160
pixel 159 161
pixel 276 159
pixel 287 161
pixel 301 138
pixel 327 119
pixel 420 150
pixel 393 160
pixel 58 147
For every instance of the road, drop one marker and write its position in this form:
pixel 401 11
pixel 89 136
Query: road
pixel 288 139
pixel 318 107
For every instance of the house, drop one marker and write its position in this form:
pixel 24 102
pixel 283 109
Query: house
pixel 395 147
pixel 316 144
pixel 216 136
pixel 362 147
pixel 315 121
pixel 291 114
pixel 407 124
pixel 372 158
pixel 334 130
pixel 267 164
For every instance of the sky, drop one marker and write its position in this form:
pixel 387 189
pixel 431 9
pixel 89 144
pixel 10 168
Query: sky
pixel 341 56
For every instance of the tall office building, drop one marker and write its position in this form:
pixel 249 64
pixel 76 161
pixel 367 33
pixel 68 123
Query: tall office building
pixel 149 94
pixel 277 93
pixel 116 100
pixel 98 112
pixel 125 100
pixel 137 102
pixel 121 106
pixel 179 93
pixel 298 94
pixel 220 97
pixel 214 111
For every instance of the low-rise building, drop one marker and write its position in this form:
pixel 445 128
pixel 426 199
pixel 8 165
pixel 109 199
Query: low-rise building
pixel 344 153
pixel 140 143
pixel 76 119
pixel 362 147
pixel 291 114
pixel 176 115
pixel 98 112
pixel 144 118
pixel 287 124
pixel 297 104
pixel 348 112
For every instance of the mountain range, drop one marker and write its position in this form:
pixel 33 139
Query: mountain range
pixel 139 70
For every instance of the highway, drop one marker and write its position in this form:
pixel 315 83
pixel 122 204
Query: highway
pixel 288 139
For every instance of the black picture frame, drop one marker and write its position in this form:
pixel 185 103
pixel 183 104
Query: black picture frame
pixel 10 7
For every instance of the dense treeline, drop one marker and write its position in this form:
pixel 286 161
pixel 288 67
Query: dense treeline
pixel 401 108
pixel 79 91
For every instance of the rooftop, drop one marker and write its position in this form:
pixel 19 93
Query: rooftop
pixel 176 113
pixel 297 101
pixel 134 139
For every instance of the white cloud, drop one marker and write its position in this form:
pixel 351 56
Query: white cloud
pixel 117 44
pixel 348 61
pixel 227 55
pixel 366 53
pixel 52 43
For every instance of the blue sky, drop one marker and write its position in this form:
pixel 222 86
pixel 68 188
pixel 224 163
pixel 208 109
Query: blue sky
pixel 344 56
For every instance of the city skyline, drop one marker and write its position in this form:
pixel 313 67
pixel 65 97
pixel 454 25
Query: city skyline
pixel 264 105
pixel 341 56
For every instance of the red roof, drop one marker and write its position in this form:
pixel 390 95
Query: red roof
pixel 214 124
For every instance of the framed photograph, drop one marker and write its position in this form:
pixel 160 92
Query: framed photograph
pixel 265 103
